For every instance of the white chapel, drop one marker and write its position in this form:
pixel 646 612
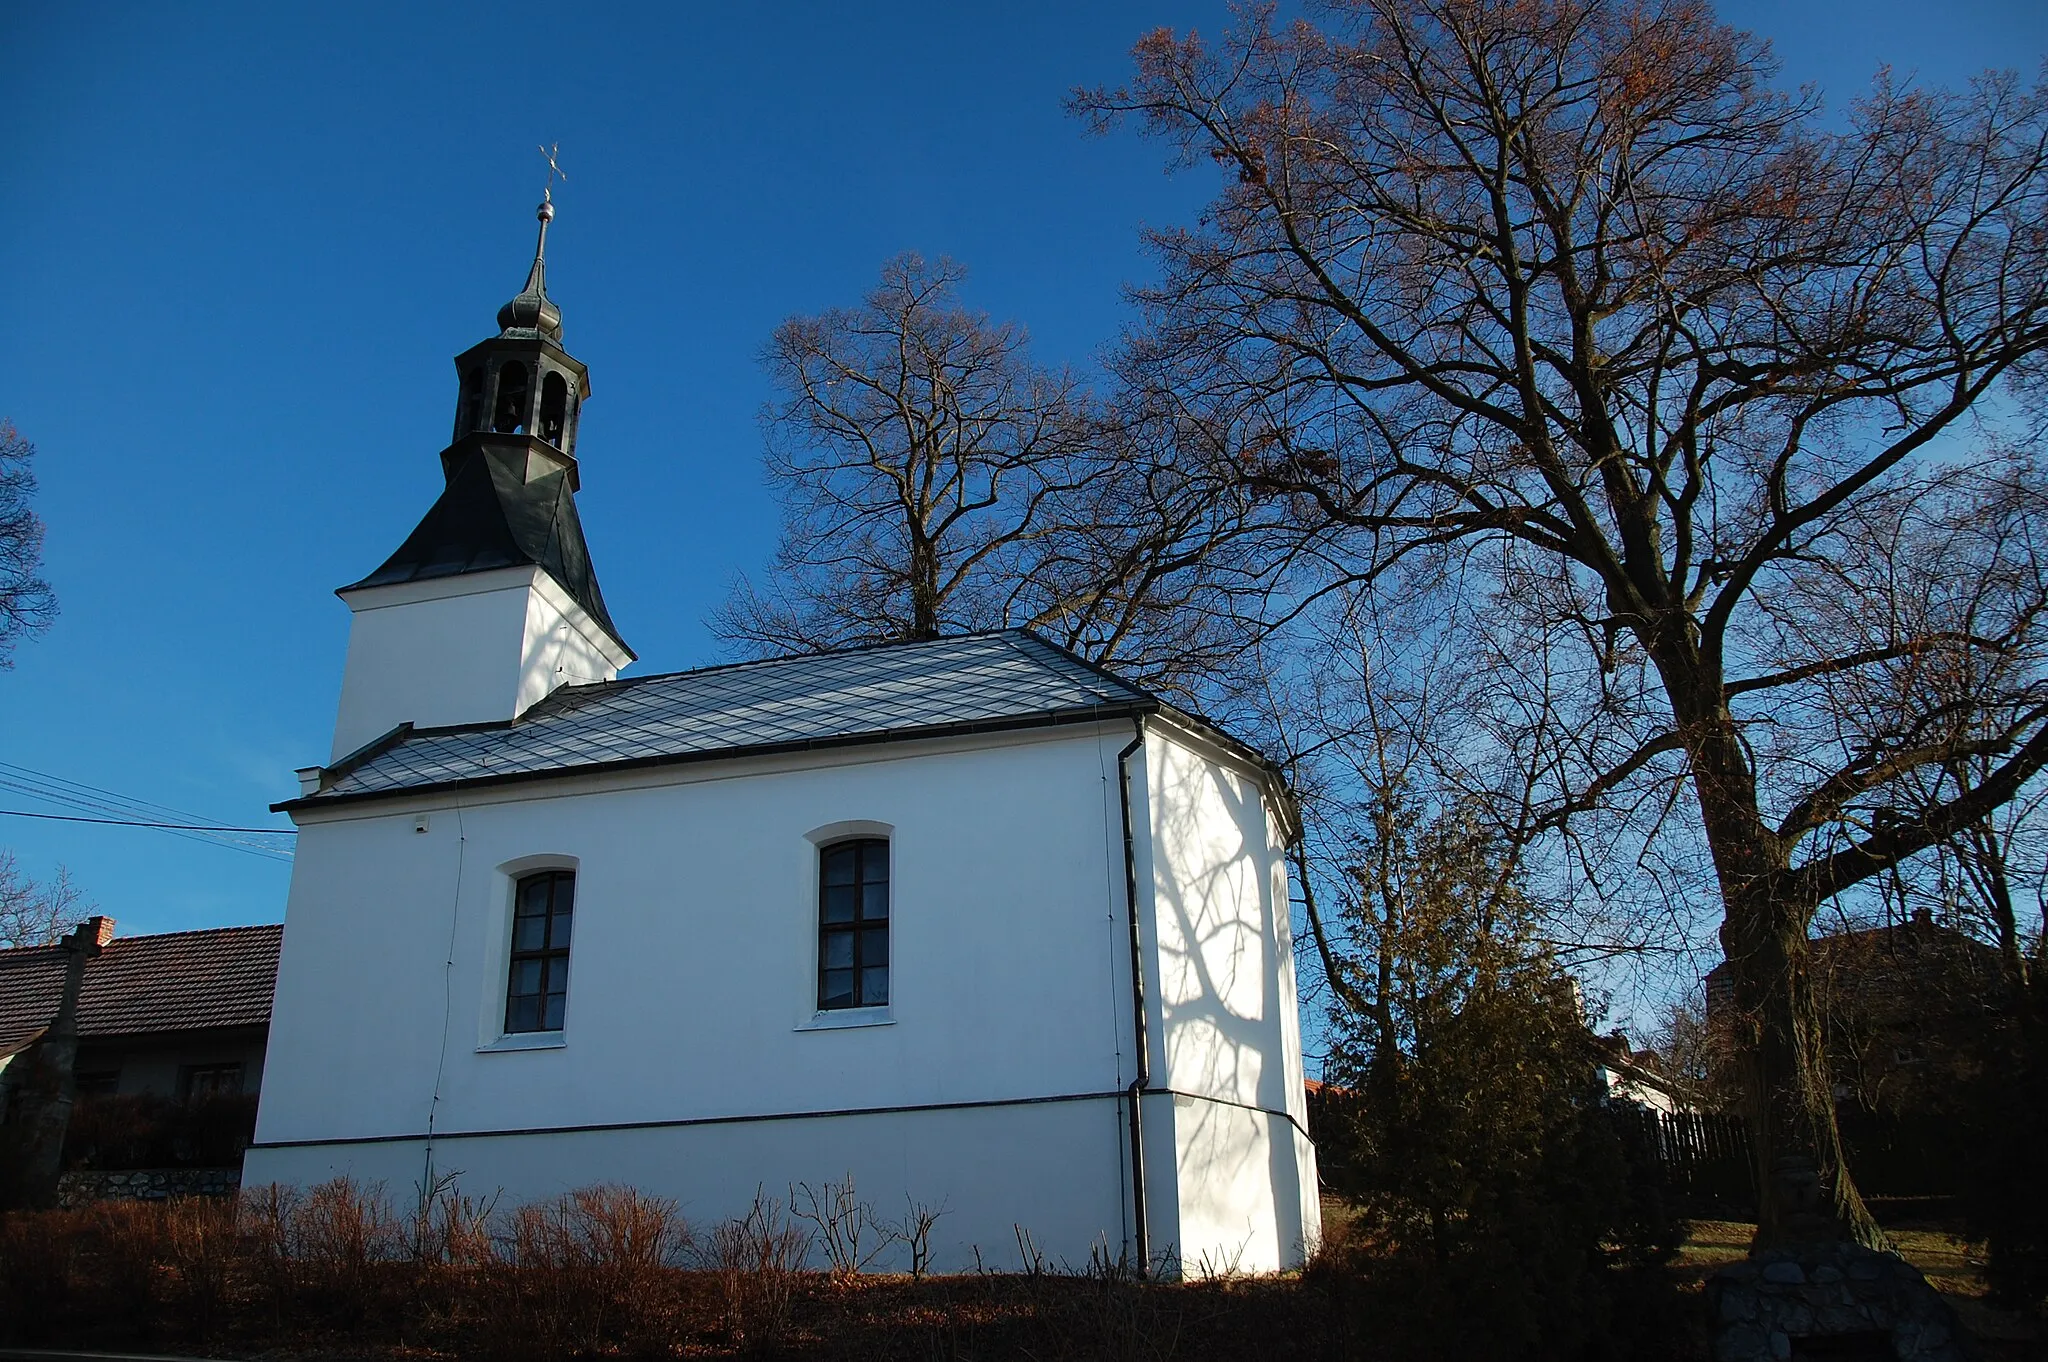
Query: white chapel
pixel 972 920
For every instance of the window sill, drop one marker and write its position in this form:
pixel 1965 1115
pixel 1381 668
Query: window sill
pixel 524 1040
pixel 841 1019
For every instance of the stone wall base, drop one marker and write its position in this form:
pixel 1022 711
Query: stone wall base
pixel 1830 1300
pixel 82 1186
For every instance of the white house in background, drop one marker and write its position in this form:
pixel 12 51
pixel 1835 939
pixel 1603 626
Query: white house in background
pixel 972 920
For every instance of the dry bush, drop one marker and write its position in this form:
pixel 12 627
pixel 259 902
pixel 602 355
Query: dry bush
pixel 340 1227
pixel 914 1232
pixel 198 1241
pixel 757 1260
pixel 37 1261
pixel 590 1267
pixel 117 1247
pixel 843 1225
pixel 447 1226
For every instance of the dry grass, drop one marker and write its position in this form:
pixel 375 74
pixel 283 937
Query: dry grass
pixel 338 1271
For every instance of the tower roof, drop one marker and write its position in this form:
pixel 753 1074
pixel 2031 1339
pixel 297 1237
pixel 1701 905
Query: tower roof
pixel 493 515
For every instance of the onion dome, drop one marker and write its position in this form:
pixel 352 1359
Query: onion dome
pixel 532 312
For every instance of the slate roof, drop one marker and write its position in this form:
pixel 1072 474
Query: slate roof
pixel 176 981
pixel 489 516
pixel 972 683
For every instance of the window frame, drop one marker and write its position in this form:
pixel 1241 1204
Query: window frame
pixel 553 958
pixel 202 1082
pixel 860 927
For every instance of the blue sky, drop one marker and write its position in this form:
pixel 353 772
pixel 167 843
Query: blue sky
pixel 241 244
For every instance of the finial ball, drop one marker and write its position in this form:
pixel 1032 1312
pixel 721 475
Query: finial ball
pixel 546 213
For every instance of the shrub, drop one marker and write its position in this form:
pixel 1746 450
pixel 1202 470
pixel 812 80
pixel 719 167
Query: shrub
pixel 757 1260
pixel 1500 1213
pixel 140 1131
pixel 590 1265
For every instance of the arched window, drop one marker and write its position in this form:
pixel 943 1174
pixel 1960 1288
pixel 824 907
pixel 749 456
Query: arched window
pixel 554 407
pixel 513 400
pixel 537 987
pixel 853 924
pixel 471 417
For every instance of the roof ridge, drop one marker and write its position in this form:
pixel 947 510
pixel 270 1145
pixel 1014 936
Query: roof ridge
pixel 18 951
pixel 203 931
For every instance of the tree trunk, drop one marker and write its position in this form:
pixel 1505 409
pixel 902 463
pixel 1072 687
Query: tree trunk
pixel 1805 1190
pixel 924 589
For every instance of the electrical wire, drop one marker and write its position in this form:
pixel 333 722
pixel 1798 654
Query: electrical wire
pixel 132 823
pixel 91 803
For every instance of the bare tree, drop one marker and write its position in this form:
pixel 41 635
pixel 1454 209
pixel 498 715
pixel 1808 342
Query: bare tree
pixel 936 480
pixel 33 914
pixel 921 453
pixel 27 605
pixel 1566 294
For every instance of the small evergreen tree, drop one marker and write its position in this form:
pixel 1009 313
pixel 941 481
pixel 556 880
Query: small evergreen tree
pixel 1499 1210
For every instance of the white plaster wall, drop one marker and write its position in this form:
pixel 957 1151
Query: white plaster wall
pixel 473 648
pixel 692 978
pixel 562 646
pixel 1226 1014
pixel 1051 1169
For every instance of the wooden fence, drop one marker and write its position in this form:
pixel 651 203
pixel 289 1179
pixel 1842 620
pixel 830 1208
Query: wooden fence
pixel 1703 1159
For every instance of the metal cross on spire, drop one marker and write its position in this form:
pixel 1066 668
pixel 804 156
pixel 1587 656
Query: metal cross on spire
pixel 547 194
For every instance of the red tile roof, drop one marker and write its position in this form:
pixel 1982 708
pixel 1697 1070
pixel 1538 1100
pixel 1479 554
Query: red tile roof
pixel 177 981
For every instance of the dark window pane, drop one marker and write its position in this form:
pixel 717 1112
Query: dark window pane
pixel 874 987
pixel 874 947
pixel 874 861
pixel 526 976
pixel 839 862
pixel 523 1014
pixel 838 903
pixel 838 950
pixel 836 989
pixel 875 900
pixel 537 981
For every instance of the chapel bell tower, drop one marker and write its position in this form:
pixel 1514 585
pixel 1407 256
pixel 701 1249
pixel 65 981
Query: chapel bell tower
pixel 491 603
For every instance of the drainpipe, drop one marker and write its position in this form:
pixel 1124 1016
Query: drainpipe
pixel 1134 1095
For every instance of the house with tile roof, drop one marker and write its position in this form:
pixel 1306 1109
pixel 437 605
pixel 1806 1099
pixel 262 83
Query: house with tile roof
pixel 175 1014
pixel 969 920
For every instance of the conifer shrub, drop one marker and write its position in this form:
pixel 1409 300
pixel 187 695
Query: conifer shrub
pixel 1501 1210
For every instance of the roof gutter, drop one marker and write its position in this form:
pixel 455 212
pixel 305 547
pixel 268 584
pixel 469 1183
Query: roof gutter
pixel 1141 1235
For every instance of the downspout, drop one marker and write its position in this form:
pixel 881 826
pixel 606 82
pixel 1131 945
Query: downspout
pixel 1134 1095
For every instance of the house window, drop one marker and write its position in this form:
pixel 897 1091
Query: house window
pixel 97 1083
pixel 197 1082
pixel 538 985
pixel 853 924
